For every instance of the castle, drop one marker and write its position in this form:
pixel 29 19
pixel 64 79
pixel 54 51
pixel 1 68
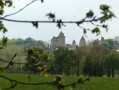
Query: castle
pixel 60 41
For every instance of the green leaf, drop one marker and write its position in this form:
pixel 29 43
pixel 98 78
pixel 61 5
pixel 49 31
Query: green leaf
pixel 10 4
pixel 103 19
pixel 105 26
pixel 35 24
pixel 1 11
pixel 4 41
pixel 104 7
pixel 80 22
pixel 90 14
pixel 2 4
pixel 42 1
pixel 96 30
pixel 112 14
pixel 3 70
pixel 59 23
pixel 4 30
pixel 51 16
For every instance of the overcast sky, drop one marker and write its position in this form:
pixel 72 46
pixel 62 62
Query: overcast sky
pixel 67 10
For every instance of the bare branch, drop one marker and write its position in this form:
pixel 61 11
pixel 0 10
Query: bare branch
pixel 59 86
pixel 12 86
pixel 20 9
pixel 96 24
pixel 85 28
pixel 25 21
pixel 9 62
pixel 61 23
pixel 26 83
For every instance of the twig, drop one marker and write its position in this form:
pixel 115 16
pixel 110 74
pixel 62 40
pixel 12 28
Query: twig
pixel 12 86
pixel 26 83
pixel 11 63
pixel 84 28
pixel 96 24
pixel 20 9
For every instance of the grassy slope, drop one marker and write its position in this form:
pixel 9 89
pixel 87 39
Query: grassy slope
pixel 96 83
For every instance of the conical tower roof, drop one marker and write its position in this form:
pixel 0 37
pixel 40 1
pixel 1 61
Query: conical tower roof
pixel 61 34
pixel 82 38
pixel 74 41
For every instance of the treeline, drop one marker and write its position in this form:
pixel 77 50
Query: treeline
pixel 109 43
pixel 27 43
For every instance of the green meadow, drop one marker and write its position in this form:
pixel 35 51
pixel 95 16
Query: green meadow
pixel 95 83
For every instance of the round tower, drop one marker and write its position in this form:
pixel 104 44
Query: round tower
pixel 82 42
pixel 74 45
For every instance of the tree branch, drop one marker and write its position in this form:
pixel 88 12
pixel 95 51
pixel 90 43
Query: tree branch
pixel 25 21
pixel 11 63
pixel 26 83
pixel 59 86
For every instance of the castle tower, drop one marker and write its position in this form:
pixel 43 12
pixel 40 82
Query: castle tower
pixel 58 41
pixel 74 45
pixel 61 39
pixel 102 39
pixel 82 42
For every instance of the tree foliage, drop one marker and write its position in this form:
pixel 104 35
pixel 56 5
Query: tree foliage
pixel 95 60
pixel 27 43
pixel 109 43
pixel 80 53
pixel 111 63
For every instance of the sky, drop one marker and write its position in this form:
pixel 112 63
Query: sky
pixel 67 10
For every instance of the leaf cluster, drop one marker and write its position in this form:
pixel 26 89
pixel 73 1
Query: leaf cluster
pixel 107 13
pixel 35 60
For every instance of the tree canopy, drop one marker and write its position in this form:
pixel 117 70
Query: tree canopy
pixel 111 63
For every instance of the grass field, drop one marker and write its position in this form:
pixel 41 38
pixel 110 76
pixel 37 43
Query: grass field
pixel 95 83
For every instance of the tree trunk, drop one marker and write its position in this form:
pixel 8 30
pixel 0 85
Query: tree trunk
pixel 61 68
pixel 112 72
pixel 19 68
pixel 51 69
pixel 68 70
pixel 78 68
pixel 108 72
